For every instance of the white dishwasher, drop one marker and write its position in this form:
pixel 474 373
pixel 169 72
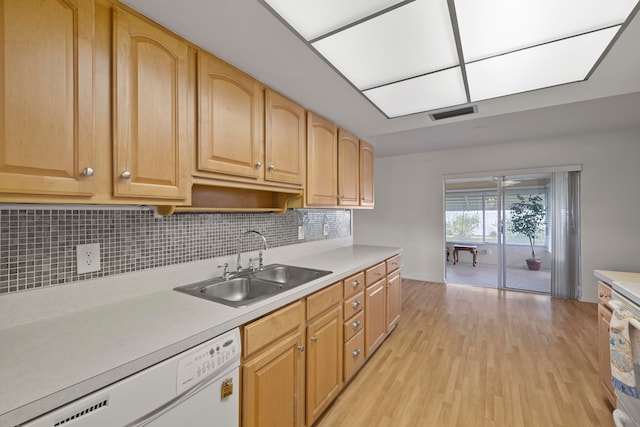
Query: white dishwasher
pixel 199 387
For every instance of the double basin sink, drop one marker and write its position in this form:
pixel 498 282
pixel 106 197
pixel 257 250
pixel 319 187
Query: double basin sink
pixel 252 286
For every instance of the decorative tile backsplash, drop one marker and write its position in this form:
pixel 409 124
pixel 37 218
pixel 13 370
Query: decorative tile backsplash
pixel 38 246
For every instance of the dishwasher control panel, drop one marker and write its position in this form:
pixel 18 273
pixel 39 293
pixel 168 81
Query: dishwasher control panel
pixel 208 359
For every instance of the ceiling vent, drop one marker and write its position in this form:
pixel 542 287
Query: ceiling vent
pixel 454 113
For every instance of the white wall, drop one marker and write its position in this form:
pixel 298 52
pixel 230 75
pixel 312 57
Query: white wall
pixel 409 199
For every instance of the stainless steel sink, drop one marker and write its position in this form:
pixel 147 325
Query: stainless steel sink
pixel 250 287
pixel 288 275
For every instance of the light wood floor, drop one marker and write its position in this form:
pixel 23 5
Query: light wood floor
pixel 472 356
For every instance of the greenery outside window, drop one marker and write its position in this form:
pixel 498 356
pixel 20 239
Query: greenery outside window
pixel 472 216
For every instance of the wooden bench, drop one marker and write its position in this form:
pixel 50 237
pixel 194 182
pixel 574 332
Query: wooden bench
pixel 468 248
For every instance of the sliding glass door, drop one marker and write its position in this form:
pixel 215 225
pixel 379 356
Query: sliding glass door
pixel 524 243
pixel 517 232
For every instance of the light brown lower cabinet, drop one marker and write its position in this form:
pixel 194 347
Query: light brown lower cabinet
pixel 324 361
pixel 297 359
pixel 375 329
pixel 273 369
pixel 394 300
pixel 604 317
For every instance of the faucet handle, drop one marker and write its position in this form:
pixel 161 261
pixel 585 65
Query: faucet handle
pixel 225 272
pixel 260 261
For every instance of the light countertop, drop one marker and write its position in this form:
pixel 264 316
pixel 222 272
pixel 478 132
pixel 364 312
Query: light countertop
pixel 55 360
pixel 623 282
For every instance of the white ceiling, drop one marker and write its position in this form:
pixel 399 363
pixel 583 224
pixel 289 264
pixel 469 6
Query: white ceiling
pixel 247 35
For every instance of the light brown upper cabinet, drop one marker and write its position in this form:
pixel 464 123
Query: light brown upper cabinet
pixel 231 134
pixel 348 168
pixel 322 161
pixel 46 116
pixel 285 133
pixel 366 174
pixel 151 146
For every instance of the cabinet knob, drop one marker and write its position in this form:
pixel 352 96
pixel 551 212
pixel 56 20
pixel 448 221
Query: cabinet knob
pixel 356 325
pixel 356 303
pixel 271 168
pixel 301 347
pixel 87 172
pixel 356 352
pixel 356 283
pixel 125 175
pixel 258 164
pixel 314 339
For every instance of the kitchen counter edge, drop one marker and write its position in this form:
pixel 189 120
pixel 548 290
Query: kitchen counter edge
pixel 345 262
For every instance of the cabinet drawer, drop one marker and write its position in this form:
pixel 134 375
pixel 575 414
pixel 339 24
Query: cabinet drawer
pixel 353 355
pixel 264 331
pixel 353 284
pixel 375 273
pixel 353 305
pixel 323 300
pixel 393 264
pixel 353 326
pixel 604 293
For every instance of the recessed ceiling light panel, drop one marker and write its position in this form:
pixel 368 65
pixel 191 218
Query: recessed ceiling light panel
pixel 493 27
pixel 429 92
pixel 551 64
pixel 414 39
pixel 313 18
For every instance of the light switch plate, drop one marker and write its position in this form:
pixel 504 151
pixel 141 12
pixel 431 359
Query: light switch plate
pixel 300 232
pixel 325 229
pixel 88 257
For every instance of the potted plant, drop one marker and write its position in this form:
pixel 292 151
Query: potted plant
pixel 527 217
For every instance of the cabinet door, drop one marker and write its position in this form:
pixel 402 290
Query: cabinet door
pixel 353 355
pixel 366 174
pixel 324 362
pixel 375 316
pixel 322 162
pixel 273 385
pixel 604 317
pixel 46 116
pixel 231 136
pixel 394 300
pixel 348 169
pixel 151 148
pixel 285 133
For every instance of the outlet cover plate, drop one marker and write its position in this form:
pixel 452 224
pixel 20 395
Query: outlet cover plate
pixel 88 258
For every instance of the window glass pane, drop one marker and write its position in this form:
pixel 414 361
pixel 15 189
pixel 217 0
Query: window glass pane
pixel 464 226
pixel 472 216
pixel 511 197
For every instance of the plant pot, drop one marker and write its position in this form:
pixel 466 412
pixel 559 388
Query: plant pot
pixel 534 264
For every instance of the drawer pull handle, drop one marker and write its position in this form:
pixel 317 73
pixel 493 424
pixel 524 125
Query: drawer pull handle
pixel 272 168
pixel 356 325
pixel 314 339
pixel 356 283
pixel 125 175
pixel 258 164
pixel 301 347
pixel 356 352
pixel 87 172
pixel 356 304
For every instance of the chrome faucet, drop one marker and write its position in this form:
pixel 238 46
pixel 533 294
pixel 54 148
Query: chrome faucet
pixel 266 247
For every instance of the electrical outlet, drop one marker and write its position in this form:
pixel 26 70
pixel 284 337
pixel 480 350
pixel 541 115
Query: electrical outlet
pixel 325 229
pixel 300 232
pixel 88 257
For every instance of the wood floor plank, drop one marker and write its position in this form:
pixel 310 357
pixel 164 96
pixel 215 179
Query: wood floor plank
pixel 468 356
